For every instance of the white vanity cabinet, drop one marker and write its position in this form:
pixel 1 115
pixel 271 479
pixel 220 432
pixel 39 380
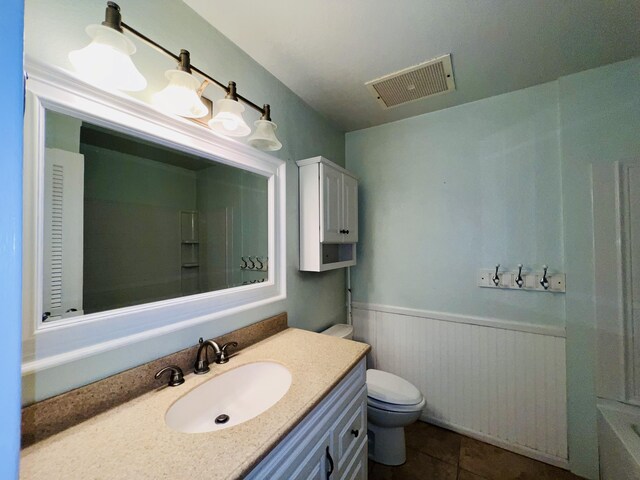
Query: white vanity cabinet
pixel 328 215
pixel 330 443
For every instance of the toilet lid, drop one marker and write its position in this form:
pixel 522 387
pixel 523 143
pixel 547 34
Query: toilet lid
pixel 390 388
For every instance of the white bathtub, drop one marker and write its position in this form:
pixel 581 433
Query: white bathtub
pixel 619 441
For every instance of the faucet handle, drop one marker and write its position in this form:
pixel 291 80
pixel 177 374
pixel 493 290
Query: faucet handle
pixel 222 357
pixel 177 378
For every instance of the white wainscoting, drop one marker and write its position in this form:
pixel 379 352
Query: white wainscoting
pixel 499 381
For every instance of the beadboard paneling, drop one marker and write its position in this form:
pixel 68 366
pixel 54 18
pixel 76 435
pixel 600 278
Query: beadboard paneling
pixel 501 385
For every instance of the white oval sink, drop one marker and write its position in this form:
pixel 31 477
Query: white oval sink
pixel 240 394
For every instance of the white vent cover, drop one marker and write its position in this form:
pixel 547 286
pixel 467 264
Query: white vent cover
pixel 427 79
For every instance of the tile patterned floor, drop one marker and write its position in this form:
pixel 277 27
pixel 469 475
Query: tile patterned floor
pixel 434 453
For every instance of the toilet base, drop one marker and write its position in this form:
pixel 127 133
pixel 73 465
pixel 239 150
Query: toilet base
pixel 387 445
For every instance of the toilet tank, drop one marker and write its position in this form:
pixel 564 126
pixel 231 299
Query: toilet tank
pixel 341 330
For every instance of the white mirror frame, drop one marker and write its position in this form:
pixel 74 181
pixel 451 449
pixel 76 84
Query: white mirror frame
pixel 48 344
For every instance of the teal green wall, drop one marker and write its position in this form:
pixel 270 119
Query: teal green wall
pixel 445 194
pixel 62 131
pixel 599 124
pixel 54 27
pixel 132 208
pixel 234 219
pixel 138 180
pixel 505 179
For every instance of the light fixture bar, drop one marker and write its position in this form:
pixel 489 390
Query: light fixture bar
pixel 177 58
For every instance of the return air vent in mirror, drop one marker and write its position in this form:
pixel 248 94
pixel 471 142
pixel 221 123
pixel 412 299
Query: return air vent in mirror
pixel 427 79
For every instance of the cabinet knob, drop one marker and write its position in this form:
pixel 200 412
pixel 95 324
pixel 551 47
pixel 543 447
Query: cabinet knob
pixel 355 432
pixel 346 231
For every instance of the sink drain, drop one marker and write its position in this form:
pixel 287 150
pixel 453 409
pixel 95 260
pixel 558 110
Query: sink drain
pixel 224 418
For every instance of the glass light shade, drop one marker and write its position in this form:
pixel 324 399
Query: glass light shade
pixel 181 97
pixel 228 121
pixel 106 61
pixel 264 138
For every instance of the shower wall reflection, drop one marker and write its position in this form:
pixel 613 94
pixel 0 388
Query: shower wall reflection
pixel 129 222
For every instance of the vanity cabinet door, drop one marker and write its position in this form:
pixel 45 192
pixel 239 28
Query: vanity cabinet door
pixel 357 469
pixel 319 464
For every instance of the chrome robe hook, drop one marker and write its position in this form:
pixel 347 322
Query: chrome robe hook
pixel 519 279
pixel 545 281
pixel 496 279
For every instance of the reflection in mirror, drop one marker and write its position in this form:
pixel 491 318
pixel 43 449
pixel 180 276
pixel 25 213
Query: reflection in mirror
pixel 128 222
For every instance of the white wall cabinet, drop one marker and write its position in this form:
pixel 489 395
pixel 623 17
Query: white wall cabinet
pixel 328 215
pixel 330 443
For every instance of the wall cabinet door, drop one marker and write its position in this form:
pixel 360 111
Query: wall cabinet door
pixel 331 201
pixel 349 209
pixel 339 206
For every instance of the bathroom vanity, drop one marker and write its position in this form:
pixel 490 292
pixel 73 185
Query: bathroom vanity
pixel 317 430
pixel 330 443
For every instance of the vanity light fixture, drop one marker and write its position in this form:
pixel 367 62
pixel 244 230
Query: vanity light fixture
pixel 228 120
pixel 264 138
pixel 181 96
pixel 106 62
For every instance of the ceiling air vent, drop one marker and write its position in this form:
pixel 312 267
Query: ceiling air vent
pixel 427 79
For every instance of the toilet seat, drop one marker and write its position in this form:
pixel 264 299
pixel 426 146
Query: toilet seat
pixel 388 392
pixel 392 407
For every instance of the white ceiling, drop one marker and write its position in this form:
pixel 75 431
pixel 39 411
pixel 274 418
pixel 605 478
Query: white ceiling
pixel 325 50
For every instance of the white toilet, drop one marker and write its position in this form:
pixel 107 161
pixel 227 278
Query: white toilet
pixel 392 404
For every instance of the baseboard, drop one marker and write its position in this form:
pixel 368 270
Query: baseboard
pixel 519 449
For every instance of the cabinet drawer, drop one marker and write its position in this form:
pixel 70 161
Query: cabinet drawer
pixel 357 469
pixel 351 428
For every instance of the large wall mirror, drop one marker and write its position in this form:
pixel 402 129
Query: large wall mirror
pixel 136 223
pixel 128 222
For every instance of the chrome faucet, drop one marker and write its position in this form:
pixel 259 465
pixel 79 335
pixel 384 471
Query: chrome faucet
pixel 202 361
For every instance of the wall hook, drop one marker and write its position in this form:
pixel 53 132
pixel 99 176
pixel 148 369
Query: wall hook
pixel 244 263
pixel 260 264
pixel 496 279
pixel 544 281
pixel 519 279
pixel 253 265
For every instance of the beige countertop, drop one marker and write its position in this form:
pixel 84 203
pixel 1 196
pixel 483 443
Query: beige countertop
pixel 132 440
